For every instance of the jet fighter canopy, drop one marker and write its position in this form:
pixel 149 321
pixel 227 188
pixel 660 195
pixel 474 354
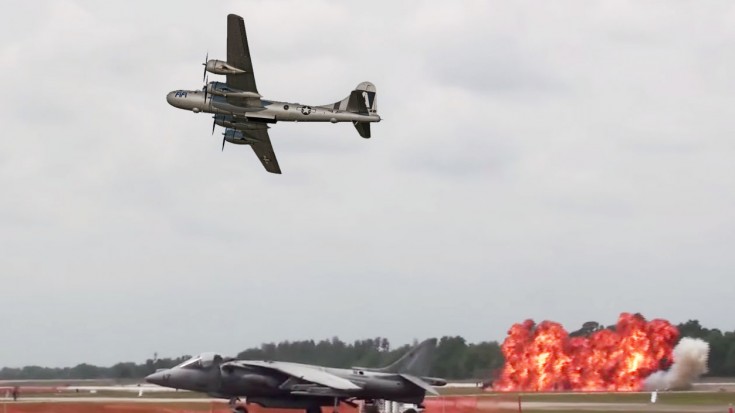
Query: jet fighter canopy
pixel 201 361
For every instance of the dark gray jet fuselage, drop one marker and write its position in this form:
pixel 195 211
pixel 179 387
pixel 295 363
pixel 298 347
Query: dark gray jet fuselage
pixel 302 386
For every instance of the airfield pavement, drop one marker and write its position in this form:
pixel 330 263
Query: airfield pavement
pixel 709 396
pixel 704 402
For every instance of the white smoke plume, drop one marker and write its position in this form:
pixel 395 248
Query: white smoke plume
pixel 690 362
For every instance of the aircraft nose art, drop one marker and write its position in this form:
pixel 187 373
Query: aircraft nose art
pixel 178 99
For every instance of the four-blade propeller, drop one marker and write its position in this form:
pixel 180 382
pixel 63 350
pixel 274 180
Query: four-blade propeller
pixel 205 88
pixel 205 79
pixel 206 60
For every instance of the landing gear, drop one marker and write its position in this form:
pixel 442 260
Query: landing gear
pixel 234 407
pixel 336 405
pixel 371 406
pixel 314 409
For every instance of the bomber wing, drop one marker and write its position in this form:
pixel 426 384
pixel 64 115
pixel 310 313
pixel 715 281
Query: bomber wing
pixel 259 140
pixel 238 55
pixel 303 372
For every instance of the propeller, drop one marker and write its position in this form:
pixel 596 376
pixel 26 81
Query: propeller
pixel 223 142
pixel 206 59
pixel 214 123
pixel 206 83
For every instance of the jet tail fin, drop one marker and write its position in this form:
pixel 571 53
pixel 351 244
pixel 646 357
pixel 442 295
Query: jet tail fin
pixel 415 362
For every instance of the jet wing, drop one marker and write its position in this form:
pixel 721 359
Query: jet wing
pixel 304 372
pixel 261 144
pixel 238 55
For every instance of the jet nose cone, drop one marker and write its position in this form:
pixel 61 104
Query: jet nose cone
pixel 170 100
pixel 159 377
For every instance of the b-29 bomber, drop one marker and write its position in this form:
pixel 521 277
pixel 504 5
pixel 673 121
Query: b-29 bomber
pixel 246 115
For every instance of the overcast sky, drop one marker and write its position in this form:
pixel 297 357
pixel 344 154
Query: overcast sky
pixel 548 160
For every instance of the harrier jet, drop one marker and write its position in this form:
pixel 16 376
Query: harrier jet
pixel 301 386
pixel 245 114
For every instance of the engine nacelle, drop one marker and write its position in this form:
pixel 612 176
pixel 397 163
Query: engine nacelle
pixel 228 121
pixel 221 89
pixel 238 137
pixel 234 136
pixel 219 67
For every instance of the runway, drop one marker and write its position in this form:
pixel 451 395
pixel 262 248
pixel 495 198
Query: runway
pixel 464 404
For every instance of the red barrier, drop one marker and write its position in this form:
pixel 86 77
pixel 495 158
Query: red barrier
pixel 448 404
pixel 471 404
pixel 451 404
pixel 140 407
pixel 459 404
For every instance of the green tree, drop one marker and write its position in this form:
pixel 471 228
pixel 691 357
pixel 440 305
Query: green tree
pixel 449 361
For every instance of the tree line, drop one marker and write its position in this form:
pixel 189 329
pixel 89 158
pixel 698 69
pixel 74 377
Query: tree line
pixel 455 358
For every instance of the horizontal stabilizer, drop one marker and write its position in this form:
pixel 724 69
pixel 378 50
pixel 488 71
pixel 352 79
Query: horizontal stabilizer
pixel 435 381
pixel 420 383
pixel 363 128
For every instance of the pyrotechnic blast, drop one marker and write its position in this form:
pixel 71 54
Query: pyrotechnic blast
pixel 690 362
pixel 544 358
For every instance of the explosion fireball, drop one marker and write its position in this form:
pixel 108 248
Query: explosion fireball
pixel 544 357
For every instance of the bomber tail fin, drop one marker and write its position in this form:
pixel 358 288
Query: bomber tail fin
pixel 362 100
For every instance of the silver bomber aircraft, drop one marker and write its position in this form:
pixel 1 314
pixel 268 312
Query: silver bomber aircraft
pixel 301 386
pixel 240 109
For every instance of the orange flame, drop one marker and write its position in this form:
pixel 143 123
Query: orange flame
pixel 544 358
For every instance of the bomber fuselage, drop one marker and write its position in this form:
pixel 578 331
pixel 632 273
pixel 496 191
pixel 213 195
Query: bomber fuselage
pixel 269 112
